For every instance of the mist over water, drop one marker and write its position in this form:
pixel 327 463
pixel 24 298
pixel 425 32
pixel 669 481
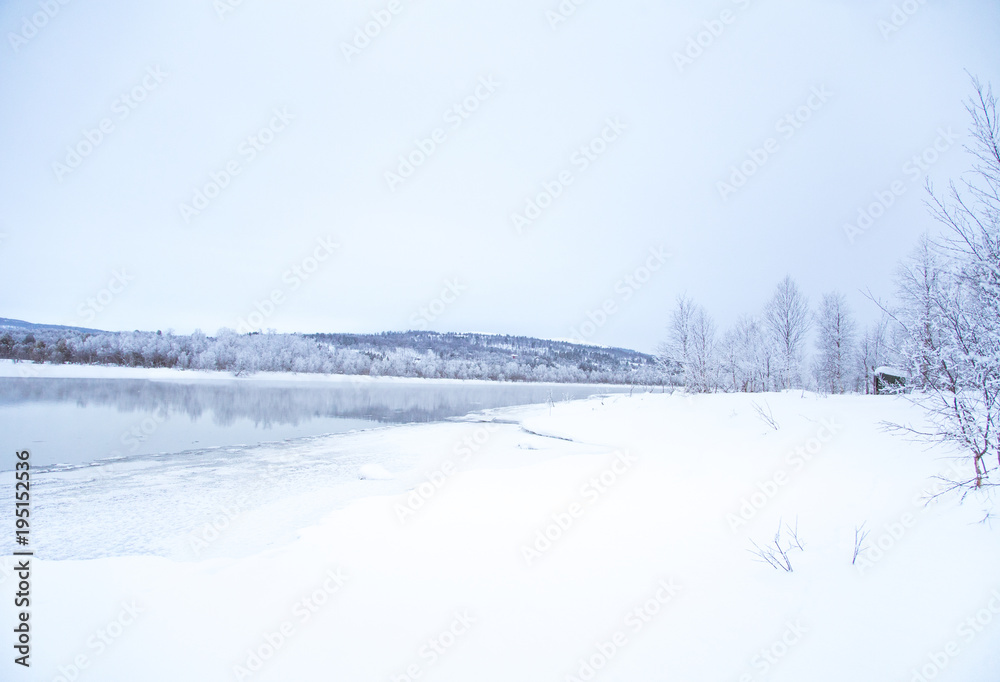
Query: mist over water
pixel 79 421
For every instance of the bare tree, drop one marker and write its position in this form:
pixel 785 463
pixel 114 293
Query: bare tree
pixel 767 416
pixel 691 345
pixel 786 318
pixel 920 283
pixel 964 341
pixel 746 356
pixel 703 359
pixel 873 352
pixel 676 350
pixel 835 343
pixel 860 535
pixel 775 553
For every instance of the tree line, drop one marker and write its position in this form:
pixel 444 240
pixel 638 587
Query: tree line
pixel 403 354
pixel 769 350
pixel 941 329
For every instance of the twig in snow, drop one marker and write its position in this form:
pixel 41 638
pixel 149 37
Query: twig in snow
pixel 860 534
pixel 768 416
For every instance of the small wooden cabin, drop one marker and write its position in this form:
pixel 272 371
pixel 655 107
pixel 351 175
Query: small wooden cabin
pixel 889 380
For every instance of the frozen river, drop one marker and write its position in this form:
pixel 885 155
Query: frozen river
pixel 76 421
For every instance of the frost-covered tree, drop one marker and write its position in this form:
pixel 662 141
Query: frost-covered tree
pixel 873 352
pixel 835 344
pixel 746 357
pixel 920 291
pixel 704 366
pixel 950 304
pixel 786 319
pixel 676 350
pixel 410 354
pixel 690 346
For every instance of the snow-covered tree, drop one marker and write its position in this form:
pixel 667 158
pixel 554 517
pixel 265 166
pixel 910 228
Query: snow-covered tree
pixel 873 352
pixel 921 281
pixel 691 346
pixel 835 344
pixel 786 319
pixel 950 304
pixel 746 357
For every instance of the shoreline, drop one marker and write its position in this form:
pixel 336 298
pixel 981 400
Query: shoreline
pixel 635 497
pixel 27 370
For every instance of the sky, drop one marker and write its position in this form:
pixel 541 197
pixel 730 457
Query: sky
pixel 552 169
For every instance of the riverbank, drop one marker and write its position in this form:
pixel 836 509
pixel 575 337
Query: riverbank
pixel 12 370
pixel 603 539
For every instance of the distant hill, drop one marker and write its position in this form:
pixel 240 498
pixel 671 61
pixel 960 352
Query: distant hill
pixel 8 323
pixel 405 354
pixel 493 348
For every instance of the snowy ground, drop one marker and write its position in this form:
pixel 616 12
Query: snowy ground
pixel 420 552
pixel 11 369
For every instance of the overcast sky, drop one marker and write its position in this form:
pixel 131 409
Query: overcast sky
pixel 126 228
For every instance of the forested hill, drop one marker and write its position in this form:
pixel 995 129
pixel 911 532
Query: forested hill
pixel 408 354
pixel 495 349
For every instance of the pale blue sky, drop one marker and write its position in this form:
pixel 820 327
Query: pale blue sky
pixel 208 83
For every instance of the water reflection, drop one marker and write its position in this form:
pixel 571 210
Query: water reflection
pixel 77 421
pixel 267 403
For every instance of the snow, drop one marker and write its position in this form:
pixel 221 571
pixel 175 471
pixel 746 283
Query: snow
pixel 374 472
pixel 891 371
pixel 436 570
pixel 10 369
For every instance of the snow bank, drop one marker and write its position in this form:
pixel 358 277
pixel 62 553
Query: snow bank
pixel 604 539
pixel 11 369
